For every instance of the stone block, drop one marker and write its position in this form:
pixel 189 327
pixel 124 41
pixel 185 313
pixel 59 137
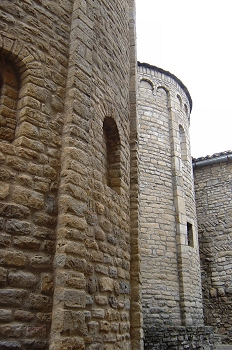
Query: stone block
pixel 23 242
pixel 73 343
pixel 39 302
pixel 27 197
pixel 4 190
pixel 10 210
pixel 24 316
pixel 40 261
pixel 5 240
pixel 13 258
pixel 6 315
pixel 6 345
pixel 18 227
pixel 22 279
pixel 92 285
pixel 73 323
pixel 74 299
pixel 106 284
pixel 12 297
pixel 46 283
pixel 98 313
pixel 101 300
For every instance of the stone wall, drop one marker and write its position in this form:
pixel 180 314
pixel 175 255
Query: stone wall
pixel 179 338
pixel 34 44
pixel 171 286
pixel 68 139
pixel 213 181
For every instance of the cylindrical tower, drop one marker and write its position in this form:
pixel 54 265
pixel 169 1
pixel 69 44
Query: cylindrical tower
pixel 171 285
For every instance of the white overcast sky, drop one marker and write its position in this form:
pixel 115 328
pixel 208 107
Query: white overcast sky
pixel 192 39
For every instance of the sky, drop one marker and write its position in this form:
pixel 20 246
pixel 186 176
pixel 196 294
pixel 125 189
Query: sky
pixel 192 39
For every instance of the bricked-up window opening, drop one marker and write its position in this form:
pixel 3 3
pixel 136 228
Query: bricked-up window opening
pixel 113 145
pixel 183 144
pixel 9 91
pixel 190 234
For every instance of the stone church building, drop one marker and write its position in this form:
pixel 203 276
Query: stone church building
pixel 103 245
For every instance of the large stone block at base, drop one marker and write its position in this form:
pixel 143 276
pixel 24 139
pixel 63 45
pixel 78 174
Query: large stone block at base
pixel 179 338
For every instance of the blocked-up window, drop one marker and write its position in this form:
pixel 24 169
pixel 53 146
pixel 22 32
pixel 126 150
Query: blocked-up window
pixel 9 91
pixel 113 149
pixel 183 144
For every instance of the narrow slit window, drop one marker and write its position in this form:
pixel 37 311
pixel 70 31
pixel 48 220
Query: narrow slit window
pixel 113 148
pixel 190 234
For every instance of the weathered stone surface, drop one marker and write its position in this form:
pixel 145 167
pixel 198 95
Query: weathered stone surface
pixel 44 220
pixel 23 316
pixel 64 177
pixel 28 197
pixel 22 279
pixel 39 302
pixel 40 261
pixel 13 211
pixel 6 315
pixel 92 285
pixel 106 284
pixel 4 190
pixel 5 240
pixel 12 258
pixel 72 343
pixel 26 243
pixel 18 227
pixel 212 191
pixel 12 297
pixel 46 283
pixel 3 275
pixel 74 323
pixel 74 299
pixel 6 345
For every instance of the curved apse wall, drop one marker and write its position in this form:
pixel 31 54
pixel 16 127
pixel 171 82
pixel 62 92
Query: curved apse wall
pixel 171 286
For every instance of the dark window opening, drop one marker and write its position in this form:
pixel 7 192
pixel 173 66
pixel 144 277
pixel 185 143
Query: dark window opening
pixel 190 234
pixel 9 91
pixel 113 146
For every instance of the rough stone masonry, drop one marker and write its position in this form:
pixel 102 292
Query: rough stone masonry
pixel 98 226
pixel 67 153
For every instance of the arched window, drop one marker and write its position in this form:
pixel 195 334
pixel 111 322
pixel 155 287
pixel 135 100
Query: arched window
pixel 9 91
pixel 112 159
pixel 162 96
pixel 146 88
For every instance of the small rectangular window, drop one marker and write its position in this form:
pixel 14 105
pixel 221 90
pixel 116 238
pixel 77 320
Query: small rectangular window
pixel 190 234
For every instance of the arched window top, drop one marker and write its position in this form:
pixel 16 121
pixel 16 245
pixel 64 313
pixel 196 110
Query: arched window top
pixel 9 91
pixel 146 84
pixel 162 91
pixel 146 88
pixel 112 156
